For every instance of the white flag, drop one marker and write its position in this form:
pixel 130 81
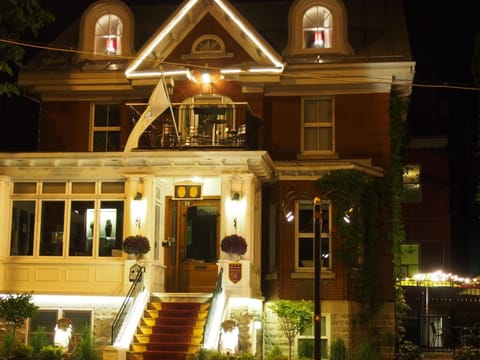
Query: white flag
pixel 157 104
pixel 158 100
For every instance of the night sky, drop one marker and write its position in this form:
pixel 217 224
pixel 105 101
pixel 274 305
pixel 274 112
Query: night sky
pixel 442 40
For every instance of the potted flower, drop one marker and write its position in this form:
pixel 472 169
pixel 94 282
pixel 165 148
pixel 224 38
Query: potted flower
pixel 136 244
pixel 234 245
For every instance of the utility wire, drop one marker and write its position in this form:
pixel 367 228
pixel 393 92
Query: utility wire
pixel 439 85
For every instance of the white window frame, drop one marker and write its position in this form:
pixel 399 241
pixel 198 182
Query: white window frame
pixel 318 124
pixel 60 314
pixel 324 337
pixel 109 129
pixel 88 22
pixel 67 197
pixel 108 35
pixel 339 37
pixel 326 232
pixel 320 27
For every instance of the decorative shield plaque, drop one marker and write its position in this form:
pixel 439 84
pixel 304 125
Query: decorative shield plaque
pixel 235 272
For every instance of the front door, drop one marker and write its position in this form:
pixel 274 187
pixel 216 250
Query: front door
pixel 192 231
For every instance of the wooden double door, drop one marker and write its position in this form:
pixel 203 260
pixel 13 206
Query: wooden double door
pixel 192 247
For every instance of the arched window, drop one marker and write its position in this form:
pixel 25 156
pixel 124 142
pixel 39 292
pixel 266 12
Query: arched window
pixel 106 29
pixel 108 35
pixel 317 28
pixel 208 44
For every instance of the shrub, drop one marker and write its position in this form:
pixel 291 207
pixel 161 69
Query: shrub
pixel 409 351
pixel 338 350
pixel 22 350
pixel 51 352
pixel 38 339
pixel 468 353
pixel 275 354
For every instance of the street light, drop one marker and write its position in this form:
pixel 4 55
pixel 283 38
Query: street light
pixel 317 251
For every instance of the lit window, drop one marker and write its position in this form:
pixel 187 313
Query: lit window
pixel 106 127
pixel 108 35
pixel 306 342
pixel 86 227
pixel 304 235
pixel 317 28
pixel 318 126
pixel 412 189
pixel 47 319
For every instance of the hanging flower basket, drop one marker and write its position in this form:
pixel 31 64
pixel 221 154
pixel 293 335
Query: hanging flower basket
pixel 136 244
pixel 234 244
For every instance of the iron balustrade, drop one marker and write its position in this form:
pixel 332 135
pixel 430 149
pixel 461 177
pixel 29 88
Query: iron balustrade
pixel 212 308
pixel 130 298
pixel 199 125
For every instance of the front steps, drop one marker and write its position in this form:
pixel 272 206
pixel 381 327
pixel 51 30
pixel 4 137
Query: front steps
pixel 171 329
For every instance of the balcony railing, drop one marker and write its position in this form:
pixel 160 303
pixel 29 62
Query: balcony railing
pixel 203 126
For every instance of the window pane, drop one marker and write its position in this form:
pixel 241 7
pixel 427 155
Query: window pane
pixel 114 115
pixel 25 188
pixel 113 188
pixel 202 233
pixel 325 252
pixel 106 141
pixel 101 115
pixel 305 218
pixel 113 141
pixel 53 188
pixel 111 227
pixel 23 225
pixel 51 237
pixel 305 252
pixel 317 28
pixel 79 318
pixel 80 231
pixel 83 188
pixel 318 138
pixel 45 318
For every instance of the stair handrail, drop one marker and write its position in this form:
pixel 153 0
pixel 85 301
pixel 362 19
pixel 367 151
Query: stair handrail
pixel 211 309
pixel 128 301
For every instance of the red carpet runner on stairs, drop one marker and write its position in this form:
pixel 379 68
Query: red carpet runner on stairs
pixel 172 332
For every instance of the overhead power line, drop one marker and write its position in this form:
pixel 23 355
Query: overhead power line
pixel 437 85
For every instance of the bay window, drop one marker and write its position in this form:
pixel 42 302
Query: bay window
pixel 71 226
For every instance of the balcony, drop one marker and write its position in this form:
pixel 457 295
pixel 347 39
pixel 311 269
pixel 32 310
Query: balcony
pixel 202 127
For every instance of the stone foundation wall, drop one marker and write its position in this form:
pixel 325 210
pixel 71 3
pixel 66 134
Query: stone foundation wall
pixel 343 325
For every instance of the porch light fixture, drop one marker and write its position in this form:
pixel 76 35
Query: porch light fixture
pixel 138 196
pixel 235 196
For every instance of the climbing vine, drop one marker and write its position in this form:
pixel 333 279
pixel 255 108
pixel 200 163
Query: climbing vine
pixel 362 196
pixel 375 206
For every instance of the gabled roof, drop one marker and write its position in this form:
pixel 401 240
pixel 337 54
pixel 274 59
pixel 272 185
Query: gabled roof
pixel 183 20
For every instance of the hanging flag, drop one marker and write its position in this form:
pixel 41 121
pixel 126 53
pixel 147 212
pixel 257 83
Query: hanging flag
pixel 157 104
pixel 158 100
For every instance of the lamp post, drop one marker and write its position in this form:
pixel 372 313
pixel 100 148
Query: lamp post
pixel 317 249
pixel 317 258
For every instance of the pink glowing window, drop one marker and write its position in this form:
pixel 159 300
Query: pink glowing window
pixel 108 35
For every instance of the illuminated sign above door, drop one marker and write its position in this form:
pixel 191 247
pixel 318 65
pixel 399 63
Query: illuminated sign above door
pixel 188 192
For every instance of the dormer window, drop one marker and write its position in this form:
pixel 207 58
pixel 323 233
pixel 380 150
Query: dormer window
pixel 108 35
pixel 317 28
pixel 106 29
